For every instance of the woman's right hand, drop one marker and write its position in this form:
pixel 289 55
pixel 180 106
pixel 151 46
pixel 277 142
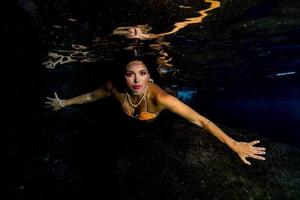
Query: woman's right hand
pixel 55 103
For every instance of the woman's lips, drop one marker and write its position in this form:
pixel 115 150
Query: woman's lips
pixel 136 87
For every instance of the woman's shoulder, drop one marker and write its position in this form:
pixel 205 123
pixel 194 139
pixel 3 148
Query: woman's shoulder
pixel 155 89
pixel 107 85
pixel 157 93
pixel 116 91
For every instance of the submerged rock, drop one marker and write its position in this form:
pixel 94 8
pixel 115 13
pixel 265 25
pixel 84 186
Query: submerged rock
pixel 89 158
pixel 185 162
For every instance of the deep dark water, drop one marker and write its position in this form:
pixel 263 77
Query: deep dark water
pixel 270 108
pixel 231 62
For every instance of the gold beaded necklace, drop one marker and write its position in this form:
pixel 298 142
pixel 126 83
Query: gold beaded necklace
pixel 141 99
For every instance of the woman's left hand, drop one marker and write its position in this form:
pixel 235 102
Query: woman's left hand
pixel 247 149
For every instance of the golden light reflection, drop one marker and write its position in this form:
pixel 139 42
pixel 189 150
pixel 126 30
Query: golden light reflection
pixel 188 21
pixel 139 32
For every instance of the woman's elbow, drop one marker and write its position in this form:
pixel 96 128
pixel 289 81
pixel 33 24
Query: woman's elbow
pixel 201 121
pixel 89 98
pixel 197 122
pixel 97 95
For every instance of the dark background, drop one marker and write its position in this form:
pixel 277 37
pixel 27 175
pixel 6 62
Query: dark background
pixel 232 68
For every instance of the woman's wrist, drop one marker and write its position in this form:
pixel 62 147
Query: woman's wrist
pixel 232 144
pixel 85 98
pixel 62 103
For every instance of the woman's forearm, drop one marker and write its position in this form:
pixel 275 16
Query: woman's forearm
pixel 77 100
pixel 99 93
pixel 217 132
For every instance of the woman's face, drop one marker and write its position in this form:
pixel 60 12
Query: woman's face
pixel 136 76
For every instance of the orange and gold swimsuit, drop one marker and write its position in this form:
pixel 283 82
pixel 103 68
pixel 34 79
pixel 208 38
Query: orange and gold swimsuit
pixel 143 116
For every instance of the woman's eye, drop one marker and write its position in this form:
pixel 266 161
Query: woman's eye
pixel 143 73
pixel 128 74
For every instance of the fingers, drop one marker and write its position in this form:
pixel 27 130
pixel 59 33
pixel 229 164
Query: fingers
pixel 260 152
pixel 52 99
pixel 53 103
pixel 260 148
pixel 55 94
pixel 248 150
pixel 245 161
pixel 257 150
pixel 47 106
pixel 254 142
pixel 49 98
pixel 258 157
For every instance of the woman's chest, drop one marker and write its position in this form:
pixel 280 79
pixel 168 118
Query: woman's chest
pixel 142 108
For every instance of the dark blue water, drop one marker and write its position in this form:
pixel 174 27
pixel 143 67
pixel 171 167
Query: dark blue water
pixel 244 70
pixel 250 81
pixel 268 107
pixel 272 112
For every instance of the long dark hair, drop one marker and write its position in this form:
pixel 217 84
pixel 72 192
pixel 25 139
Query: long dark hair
pixel 127 56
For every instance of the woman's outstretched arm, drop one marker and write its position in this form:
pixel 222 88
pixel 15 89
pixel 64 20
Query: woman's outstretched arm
pixel 243 149
pixel 102 92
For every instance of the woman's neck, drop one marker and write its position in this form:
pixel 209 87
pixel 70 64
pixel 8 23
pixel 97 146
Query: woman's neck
pixel 137 99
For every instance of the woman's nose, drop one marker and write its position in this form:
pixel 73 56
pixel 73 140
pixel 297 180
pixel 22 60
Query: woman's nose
pixel 136 80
